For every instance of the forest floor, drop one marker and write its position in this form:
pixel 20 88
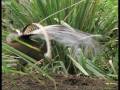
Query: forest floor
pixel 13 81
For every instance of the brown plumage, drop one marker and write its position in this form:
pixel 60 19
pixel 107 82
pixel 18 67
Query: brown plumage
pixel 25 49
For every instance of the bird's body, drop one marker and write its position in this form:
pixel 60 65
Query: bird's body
pixel 69 37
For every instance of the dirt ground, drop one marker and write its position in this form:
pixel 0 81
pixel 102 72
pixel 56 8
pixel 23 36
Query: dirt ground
pixel 25 82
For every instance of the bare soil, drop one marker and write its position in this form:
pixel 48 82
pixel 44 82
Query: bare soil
pixel 72 82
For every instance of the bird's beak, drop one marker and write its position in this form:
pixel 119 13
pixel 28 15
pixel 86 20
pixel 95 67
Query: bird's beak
pixel 18 32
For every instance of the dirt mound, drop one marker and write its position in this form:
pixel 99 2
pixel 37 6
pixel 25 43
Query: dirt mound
pixel 24 82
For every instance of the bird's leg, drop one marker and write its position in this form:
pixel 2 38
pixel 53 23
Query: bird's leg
pixel 39 62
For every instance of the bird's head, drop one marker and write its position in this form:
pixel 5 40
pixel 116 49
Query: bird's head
pixel 31 29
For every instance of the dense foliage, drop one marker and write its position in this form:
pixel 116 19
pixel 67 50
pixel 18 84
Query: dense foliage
pixel 92 16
